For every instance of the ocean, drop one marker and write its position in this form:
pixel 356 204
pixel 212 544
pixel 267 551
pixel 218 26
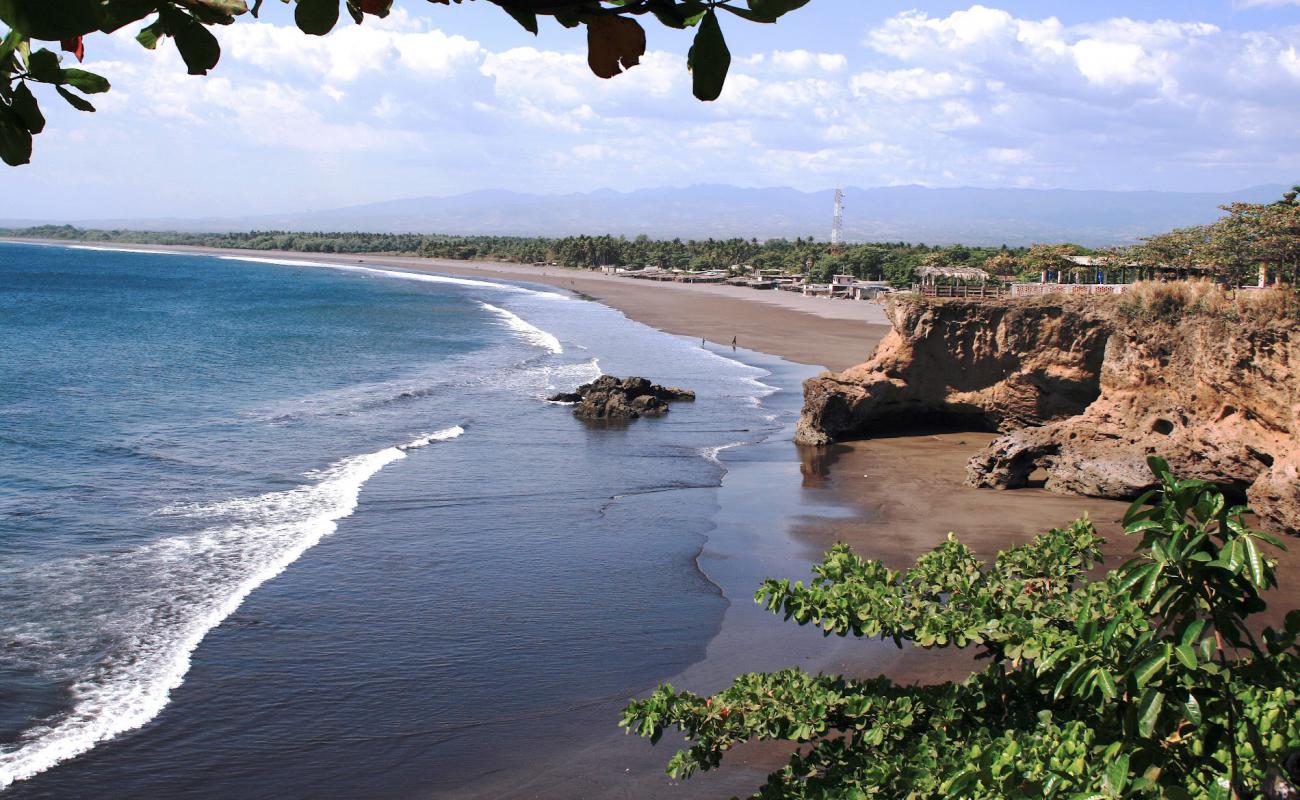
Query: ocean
pixel 276 529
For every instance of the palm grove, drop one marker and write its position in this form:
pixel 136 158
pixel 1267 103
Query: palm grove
pixel 1155 680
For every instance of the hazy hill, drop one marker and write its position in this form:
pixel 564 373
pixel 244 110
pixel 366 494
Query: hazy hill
pixel 895 213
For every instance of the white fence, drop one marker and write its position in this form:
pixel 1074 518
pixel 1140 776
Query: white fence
pixel 1039 289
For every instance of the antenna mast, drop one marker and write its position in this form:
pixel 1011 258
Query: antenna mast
pixel 837 225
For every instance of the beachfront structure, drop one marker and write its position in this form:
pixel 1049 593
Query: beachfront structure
pixel 1101 275
pixel 954 282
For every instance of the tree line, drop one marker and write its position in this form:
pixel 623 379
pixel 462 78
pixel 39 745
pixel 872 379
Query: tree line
pixel 895 262
pixel 1248 241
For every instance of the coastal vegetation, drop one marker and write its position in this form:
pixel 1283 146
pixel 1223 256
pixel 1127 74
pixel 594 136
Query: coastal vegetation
pixel 895 262
pixel 615 40
pixel 1154 681
pixel 1249 242
pixel 1151 301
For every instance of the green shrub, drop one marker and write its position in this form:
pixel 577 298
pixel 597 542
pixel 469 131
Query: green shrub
pixel 1150 682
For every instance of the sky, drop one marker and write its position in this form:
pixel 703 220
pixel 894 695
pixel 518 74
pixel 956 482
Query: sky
pixel 1184 95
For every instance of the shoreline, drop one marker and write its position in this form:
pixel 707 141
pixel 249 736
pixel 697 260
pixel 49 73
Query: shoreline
pixel 834 334
pixel 888 498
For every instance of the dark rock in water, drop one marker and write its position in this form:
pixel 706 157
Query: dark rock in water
pixel 609 397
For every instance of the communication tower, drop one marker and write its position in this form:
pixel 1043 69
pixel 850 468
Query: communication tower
pixel 837 224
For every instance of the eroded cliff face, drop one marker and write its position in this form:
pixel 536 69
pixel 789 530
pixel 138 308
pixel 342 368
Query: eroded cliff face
pixel 1083 396
pixel 992 365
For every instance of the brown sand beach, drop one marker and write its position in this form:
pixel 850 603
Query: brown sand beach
pixel 832 333
pixel 889 498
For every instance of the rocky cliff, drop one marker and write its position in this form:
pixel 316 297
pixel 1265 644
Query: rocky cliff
pixel 990 365
pixel 1083 393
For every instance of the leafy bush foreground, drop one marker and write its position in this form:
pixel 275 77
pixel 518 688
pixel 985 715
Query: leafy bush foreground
pixel 1152 682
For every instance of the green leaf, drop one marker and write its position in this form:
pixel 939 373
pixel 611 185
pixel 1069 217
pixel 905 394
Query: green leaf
pixel 1148 669
pixel 27 109
pixel 232 8
pixel 77 102
pixel 773 9
pixel 1149 585
pixel 1149 706
pixel 1106 683
pixel 524 16
pixel 317 17
pixel 1254 562
pixel 1234 556
pixel 1066 678
pixel 568 18
pixel 150 34
pixel 1137 507
pixel 51 20
pixel 1117 775
pixel 1186 655
pixel 15 140
pixel 198 47
pixel 749 14
pixel 43 65
pixel 1192 632
pixel 1192 709
pixel 87 82
pixel 118 13
pixel 708 59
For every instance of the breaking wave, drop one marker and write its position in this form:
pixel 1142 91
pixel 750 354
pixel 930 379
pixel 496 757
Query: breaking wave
pixel 526 330
pixel 180 588
pixel 425 277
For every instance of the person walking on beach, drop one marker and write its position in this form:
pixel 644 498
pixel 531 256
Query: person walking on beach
pixel 733 343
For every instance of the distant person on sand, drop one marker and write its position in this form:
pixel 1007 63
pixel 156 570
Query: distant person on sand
pixel 733 343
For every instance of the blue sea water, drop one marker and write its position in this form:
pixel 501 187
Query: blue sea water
pixel 270 529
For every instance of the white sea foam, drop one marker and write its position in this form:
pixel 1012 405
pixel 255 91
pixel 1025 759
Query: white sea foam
pixel 526 330
pixel 424 277
pixel 568 376
pixel 766 388
pixel 712 454
pixel 122 250
pixel 179 589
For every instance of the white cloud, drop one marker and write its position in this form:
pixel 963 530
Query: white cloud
pixel 379 46
pixel 805 61
pixel 977 96
pixel 904 85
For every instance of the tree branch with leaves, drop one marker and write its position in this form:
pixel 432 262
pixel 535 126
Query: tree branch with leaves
pixel 615 40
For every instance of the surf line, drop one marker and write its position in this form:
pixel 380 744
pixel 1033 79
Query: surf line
pixel 125 690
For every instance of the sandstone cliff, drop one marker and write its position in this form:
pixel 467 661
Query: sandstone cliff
pixel 1083 393
pixel 993 365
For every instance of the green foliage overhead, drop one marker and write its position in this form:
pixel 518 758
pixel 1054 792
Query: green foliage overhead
pixel 1150 682
pixel 615 40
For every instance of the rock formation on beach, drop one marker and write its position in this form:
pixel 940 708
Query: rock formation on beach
pixel 1082 393
pixel 609 397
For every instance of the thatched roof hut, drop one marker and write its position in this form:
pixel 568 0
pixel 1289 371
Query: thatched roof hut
pixel 929 275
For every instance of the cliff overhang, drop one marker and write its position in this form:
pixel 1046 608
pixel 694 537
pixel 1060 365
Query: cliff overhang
pixel 1081 394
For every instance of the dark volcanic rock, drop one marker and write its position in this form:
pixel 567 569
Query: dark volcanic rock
pixel 609 397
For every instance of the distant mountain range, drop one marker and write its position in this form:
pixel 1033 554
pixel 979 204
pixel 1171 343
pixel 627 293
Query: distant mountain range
pixel 894 213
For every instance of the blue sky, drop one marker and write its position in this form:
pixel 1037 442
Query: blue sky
pixel 1199 95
